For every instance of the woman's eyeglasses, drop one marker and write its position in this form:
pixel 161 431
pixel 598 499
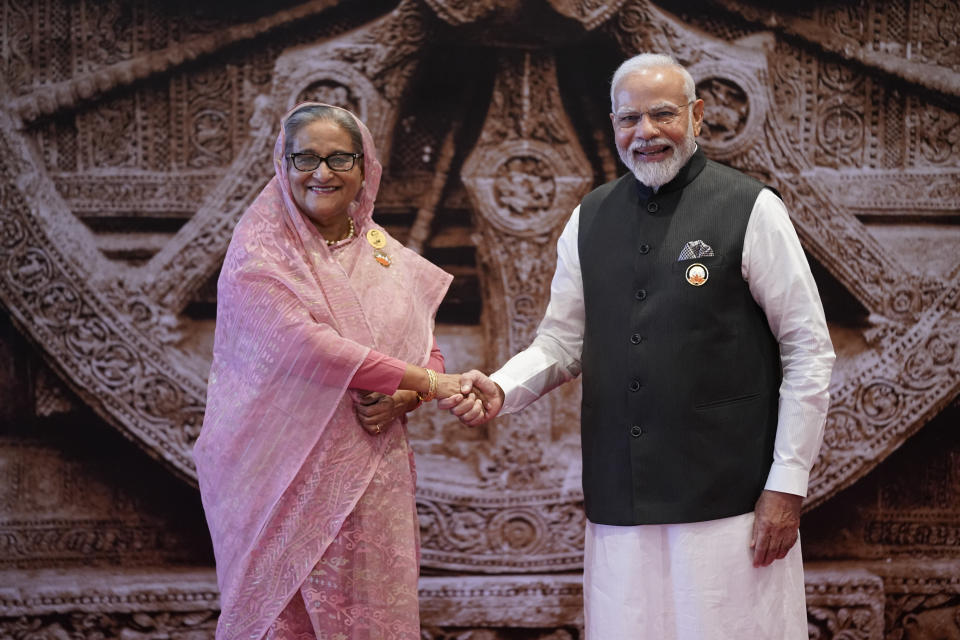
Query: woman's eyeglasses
pixel 336 161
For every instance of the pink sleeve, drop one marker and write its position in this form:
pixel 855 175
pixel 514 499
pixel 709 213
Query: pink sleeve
pixel 436 359
pixel 380 372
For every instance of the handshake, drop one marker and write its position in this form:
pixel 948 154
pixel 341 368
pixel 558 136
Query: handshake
pixel 472 397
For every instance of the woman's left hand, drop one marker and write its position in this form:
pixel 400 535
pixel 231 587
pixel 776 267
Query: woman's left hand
pixel 376 411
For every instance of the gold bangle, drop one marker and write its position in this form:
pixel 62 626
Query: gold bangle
pixel 432 386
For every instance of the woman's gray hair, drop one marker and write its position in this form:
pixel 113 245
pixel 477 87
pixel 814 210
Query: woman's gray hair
pixel 308 113
pixel 644 61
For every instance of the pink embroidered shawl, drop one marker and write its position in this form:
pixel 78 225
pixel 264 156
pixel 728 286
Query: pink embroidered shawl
pixel 293 325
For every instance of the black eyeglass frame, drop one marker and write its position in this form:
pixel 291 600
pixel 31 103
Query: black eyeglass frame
pixel 324 159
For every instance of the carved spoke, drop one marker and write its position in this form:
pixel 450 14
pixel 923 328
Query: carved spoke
pixel 524 178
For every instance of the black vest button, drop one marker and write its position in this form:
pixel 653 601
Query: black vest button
pixel 641 294
pixel 652 207
pixel 634 385
pixel 644 248
pixel 636 431
pixel 636 338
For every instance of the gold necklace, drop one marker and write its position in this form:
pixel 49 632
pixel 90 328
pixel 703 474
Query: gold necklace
pixel 350 233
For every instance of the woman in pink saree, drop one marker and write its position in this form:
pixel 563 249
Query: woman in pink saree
pixel 324 340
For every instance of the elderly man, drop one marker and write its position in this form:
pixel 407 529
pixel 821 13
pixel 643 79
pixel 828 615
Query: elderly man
pixel 683 296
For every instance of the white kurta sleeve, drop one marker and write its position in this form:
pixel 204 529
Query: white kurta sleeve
pixel 779 278
pixel 554 356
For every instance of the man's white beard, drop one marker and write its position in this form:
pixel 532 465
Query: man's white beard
pixel 657 174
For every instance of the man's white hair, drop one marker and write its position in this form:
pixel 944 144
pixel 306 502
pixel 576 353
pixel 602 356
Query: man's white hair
pixel 644 61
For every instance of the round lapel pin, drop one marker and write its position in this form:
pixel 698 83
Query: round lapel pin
pixel 378 241
pixel 697 274
pixel 376 238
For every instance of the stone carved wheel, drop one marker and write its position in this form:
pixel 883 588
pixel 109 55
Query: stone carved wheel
pixel 132 139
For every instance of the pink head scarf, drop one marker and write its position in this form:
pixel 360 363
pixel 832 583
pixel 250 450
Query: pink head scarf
pixel 281 459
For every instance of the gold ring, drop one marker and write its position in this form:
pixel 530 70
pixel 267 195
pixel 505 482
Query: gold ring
pixel 378 428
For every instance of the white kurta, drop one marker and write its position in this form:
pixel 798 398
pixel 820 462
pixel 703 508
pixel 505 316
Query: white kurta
pixel 697 580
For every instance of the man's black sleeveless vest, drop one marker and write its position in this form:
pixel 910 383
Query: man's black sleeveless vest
pixel 680 380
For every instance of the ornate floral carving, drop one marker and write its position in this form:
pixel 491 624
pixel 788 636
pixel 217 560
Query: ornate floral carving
pixel 936 28
pixel 728 107
pixel 911 535
pixel 881 44
pixel 92 625
pixel 90 83
pixel 458 12
pixel 78 542
pixel 844 605
pixel 330 92
pixel 589 12
pixel 871 412
pixel 524 186
pixel 58 303
pixel 17 38
pixel 844 20
pixel 633 19
pixel 841 127
pixel 109 122
pixel 544 604
pixel 840 135
pixel 208 130
pixel 29 270
pixel 843 430
pixel 846 623
pixel 922 599
pixel 88 193
pixel 877 193
pixel 937 135
pixel 461 531
pixel 790 80
pixel 879 401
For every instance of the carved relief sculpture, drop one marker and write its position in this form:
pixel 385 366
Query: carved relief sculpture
pixel 132 136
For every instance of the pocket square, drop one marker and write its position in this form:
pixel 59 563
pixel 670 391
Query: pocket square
pixel 695 249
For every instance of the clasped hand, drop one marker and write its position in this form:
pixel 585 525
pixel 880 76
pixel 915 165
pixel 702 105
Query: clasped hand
pixel 376 411
pixel 471 396
pixel 479 399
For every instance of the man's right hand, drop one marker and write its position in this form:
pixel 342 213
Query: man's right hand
pixel 473 411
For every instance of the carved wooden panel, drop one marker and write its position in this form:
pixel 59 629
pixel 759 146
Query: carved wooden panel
pixel 133 135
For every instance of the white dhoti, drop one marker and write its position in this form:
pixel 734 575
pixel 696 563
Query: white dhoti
pixel 691 581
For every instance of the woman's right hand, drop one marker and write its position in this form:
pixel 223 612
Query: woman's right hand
pixel 451 384
pixel 448 384
pixel 482 402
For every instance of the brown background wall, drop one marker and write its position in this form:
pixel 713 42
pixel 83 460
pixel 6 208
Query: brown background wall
pixel 133 134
